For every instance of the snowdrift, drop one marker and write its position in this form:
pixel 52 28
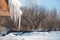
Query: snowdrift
pixel 53 35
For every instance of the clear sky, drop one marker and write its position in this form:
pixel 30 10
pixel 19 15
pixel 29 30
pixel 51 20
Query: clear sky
pixel 47 3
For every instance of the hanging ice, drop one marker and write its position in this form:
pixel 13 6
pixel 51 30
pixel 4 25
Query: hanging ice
pixel 15 11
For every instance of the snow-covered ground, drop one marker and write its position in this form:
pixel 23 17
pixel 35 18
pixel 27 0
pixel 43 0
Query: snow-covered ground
pixel 53 35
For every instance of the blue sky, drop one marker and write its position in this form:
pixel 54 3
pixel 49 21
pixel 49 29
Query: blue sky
pixel 46 3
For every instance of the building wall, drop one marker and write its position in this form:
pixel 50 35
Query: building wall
pixel 3 8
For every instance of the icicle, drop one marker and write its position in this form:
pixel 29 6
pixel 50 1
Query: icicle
pixel 15 11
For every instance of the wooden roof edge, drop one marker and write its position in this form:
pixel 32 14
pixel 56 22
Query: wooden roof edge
pixel 5 14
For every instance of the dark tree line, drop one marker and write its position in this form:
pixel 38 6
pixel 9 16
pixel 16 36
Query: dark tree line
pixel 41 19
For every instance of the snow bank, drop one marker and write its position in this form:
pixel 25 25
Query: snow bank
pixel 34 36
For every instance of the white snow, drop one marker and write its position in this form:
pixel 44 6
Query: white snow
pixel 53 35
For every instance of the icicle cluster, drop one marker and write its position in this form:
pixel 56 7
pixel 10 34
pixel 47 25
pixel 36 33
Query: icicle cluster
pixel 15 11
